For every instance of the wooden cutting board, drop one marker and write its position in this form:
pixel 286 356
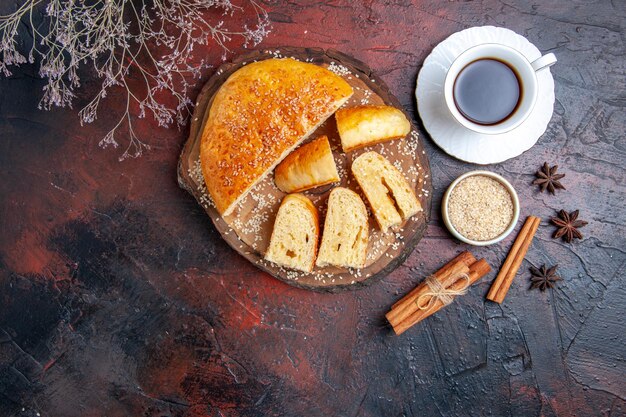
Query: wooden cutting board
pixel 249 228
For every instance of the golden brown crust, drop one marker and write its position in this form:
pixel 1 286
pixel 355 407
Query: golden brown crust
pixel 261 113
pixel 309 166
pixel 368 125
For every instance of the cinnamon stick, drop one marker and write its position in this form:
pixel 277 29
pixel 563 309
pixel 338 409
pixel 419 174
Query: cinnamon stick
pixel 408 305
pixel 405 312
pixel 477 270
pixel 466 257
pixel 513 261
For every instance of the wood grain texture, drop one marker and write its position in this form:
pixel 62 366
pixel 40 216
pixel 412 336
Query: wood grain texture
pixel 119 298
pixel 392 254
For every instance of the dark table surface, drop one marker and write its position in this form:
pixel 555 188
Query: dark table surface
pixel 119 298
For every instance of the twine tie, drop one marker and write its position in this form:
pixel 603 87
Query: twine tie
pixel 439 293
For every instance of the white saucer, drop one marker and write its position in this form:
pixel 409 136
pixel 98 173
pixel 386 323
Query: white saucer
pixel 451 136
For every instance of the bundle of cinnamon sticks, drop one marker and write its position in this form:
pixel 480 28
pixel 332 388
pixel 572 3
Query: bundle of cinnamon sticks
pixel 455 276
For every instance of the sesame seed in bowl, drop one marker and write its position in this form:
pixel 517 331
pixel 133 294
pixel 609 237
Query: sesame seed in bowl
pixel 480 208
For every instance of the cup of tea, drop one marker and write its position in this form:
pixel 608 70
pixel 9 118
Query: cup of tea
pixel 492 88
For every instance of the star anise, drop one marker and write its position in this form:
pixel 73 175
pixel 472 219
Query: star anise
pixel 543 277
pixel 568 225
pixel 547 178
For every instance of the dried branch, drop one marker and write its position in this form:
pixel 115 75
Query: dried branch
pixel 117 39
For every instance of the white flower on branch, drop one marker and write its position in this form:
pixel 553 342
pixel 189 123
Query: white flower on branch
pixel 118 40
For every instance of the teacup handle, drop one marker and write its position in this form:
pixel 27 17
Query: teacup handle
pixel 544 62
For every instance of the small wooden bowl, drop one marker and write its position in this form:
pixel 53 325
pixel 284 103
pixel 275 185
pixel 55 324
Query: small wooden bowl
pixel 501 180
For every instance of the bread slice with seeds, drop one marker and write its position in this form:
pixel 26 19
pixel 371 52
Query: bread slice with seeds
pixel 294 238
pixel 309 166
pixel 261 113
pixel 346 231
pixel 389 194
pixel 367 125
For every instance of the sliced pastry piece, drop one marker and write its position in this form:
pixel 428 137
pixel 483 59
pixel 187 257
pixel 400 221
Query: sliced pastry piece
pixel 346 231
pixel 367 125
pixel 309 166
pixel 260 114
pixel 294 238
pixel 389 194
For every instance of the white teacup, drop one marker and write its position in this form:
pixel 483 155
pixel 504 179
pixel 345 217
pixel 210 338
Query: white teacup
pixel 525 72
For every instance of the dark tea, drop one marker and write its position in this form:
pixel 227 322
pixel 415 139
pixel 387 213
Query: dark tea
pixel 487 91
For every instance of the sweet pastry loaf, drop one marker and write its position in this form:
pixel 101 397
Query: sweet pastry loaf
pixel 296 230
pixel 389 194
pixel 367 125
pixel 346 231
pixel 257 117
pixel 309 166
